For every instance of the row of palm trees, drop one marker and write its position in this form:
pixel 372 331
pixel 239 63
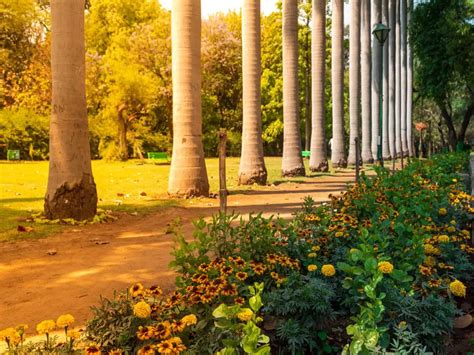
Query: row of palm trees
pixel 71 189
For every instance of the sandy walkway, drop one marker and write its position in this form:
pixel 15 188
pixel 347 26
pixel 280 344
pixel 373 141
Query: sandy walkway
pixel 96 260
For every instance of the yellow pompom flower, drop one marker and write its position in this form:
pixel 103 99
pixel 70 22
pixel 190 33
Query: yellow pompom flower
pixel 386 267
pixel 451 229
pixel 443 238
pixel 312 255
pixel 45 327
pixel 429 249
pixel 190 319
pixel 312 268
pixel 66 320
pixel 430 261
pixel 74 334
pixel 245 314
pixel 316 248
pixel 443 212
pixel 11 336
pixel 142 310
pixel 457 288
pixel 328 270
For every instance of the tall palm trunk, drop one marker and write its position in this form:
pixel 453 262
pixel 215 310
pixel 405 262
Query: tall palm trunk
pixel 318 160
pixel 385 126
pixel 375 17
pixel 403 73
pixel 391 78
pixel 354 78
pixel 366 65
pixel 292 164
pixel 410 88
pixel 398 134
pixel 188 175
pixel 71 191
pixel 338 155
pixel 252 163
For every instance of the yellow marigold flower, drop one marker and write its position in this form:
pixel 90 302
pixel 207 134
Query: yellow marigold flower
pixel 442 212
pixel 74 334
pixel 465 232
pixel 451 229
pixel 190 319
pixel 443 238
pixel 142 310
pixel 312 268
pixel 10 335
pixel 430 261
pixel 148 350
pixel 386 267
pixel 338 234
pixel 45 326
pixel 65 320
pixel 316 248
pixel 312 255
pixel 93 349
pixel 429 249
pixel 328 270
pixel 457 288
pixel 136 290
pixel 245 314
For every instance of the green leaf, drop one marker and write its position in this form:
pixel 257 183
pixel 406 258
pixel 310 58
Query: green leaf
pixel 370 264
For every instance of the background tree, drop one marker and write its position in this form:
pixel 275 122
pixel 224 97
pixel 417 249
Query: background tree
pixel 252 165
pixel 366 65
pixel 292 163
pixel 318 160
pixel 338 155
pixel 71 191
pixel 354 79
pixel 386 98
pixel 403 74
pixel 442 37
pixel 391 78
pixel 375 17
pixel 188 175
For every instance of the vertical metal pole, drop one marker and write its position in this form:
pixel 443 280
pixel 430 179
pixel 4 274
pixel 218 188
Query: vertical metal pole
pixel 379 139
pixel 222 171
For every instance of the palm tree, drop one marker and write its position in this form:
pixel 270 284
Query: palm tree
pixel 252 164
pixel 385 126
pixel 338 155
pixel 391 78
pixel 292 164
pixel 398 137
pixel 354 78
pixel 71 191
pixel 318 160
pixel 366 65
pixel 403 73
pixel 376 17
pixel 410 87
pixel 188 175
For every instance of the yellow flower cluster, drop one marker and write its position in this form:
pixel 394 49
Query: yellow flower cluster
pixel 245 314
pixel 442 212
pixel 386 267
pixel 457 288
pixel 64 321
pixel 312 268
pixel 11 336
pixel 45 327
pixel 328 270
pixel 142 309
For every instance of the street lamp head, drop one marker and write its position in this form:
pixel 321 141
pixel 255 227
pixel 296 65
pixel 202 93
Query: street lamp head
pixel 380 32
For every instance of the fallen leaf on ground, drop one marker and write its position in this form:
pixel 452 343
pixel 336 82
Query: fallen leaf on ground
pixel 24 229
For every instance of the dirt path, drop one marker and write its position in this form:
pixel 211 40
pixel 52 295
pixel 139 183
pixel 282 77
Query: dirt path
pixel 98 259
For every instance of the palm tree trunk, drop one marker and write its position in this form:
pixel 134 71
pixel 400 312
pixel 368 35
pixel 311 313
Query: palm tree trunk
pixel 398 133
pixel 71 191
pixel 354 79
pixel 376 17
pixel 403 73
pixel 338 155
pixel 188 175
pixel 318 160
pixel 292 163
pixel 252 163
pixel 385 126
pixel 366 65
pixel 391 79
pixel 410 87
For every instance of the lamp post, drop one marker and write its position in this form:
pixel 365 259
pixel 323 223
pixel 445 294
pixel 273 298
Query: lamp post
pixel 380 31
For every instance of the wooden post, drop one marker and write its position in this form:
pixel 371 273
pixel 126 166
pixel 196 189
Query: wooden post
pixel 357 149
pixel 222 171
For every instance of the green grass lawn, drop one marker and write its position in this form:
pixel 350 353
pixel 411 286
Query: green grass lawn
pixel 119 186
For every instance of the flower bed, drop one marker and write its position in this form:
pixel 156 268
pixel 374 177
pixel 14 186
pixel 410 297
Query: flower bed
pixel 381 267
